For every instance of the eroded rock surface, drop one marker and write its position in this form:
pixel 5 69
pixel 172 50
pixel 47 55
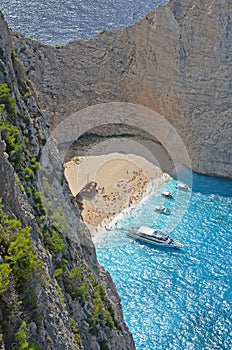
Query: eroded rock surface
pixel 69 301
pixel 176 61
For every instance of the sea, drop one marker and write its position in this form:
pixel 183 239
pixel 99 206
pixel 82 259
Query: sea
pixel 61 21
pixel 171 299
pixel 177 299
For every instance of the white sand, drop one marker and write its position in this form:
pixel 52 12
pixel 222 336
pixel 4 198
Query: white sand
pixel 123 180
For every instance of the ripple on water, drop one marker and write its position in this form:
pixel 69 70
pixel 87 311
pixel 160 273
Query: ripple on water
pixel 61 21
pixel 176 299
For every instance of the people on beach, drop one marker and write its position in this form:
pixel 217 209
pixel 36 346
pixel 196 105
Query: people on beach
pixel 111 200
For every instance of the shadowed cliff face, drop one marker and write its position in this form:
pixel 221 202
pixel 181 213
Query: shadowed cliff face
pixel 53 292
pixel 176 61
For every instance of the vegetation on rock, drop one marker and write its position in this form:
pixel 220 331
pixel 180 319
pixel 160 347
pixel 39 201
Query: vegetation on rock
pixel 42 303
pixel 21 339
pixel 18 266
pixel 11 135
pixel 7 102
pixel 18 262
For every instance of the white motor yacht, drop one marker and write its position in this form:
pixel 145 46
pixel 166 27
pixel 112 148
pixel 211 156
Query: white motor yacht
pixel 182 186
pixel 153 236
pixel 167 194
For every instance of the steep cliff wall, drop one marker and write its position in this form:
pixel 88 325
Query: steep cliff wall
pixel 53 292
pixel 177 61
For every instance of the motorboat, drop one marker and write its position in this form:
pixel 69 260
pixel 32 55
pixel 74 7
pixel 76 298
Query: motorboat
pixel 182 186
pixel 167 194
pixel 153 236
pixel 162 210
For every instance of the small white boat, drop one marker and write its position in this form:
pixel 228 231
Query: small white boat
pixel 153 236
pixel 182 186
pixel 162 210
pixel 167 194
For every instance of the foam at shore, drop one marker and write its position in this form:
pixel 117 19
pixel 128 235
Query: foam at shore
pixel 122 181
pixel 115 223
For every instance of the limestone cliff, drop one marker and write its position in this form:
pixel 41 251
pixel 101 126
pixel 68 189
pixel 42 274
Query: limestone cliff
pixel 176 61
pixel 53 292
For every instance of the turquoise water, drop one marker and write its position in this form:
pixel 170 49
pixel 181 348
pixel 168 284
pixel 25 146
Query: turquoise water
pixel 177 299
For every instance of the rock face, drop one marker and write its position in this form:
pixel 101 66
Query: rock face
pixel 176 61
pixel 69 302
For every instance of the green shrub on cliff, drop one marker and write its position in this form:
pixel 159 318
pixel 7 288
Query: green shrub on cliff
pixel 11 135
pixel 7 102
pixel 76 285
pixel 20 257
pixel 33 346
pixel 5 271
pixel 75 330
pixel 21 339
pixel 29 174
pixel 18 263
pixel 101 312
pixel 53 240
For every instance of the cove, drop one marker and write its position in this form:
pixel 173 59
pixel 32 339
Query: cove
pixel 177 299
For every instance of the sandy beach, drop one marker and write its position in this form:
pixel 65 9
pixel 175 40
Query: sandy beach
pixel 121 181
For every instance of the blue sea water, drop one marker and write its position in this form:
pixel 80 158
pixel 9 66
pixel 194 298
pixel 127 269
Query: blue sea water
pixel 60 21
pixel 177 299
pixel 171 299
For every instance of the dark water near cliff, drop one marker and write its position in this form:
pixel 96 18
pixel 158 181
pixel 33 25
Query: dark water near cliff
pixel 61 21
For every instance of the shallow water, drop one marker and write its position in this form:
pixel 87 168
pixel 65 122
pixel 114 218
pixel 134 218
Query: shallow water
pixel 177 299
pixel 171 299
pixel 60 21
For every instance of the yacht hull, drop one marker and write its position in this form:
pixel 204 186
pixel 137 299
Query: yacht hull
pixel 174 244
